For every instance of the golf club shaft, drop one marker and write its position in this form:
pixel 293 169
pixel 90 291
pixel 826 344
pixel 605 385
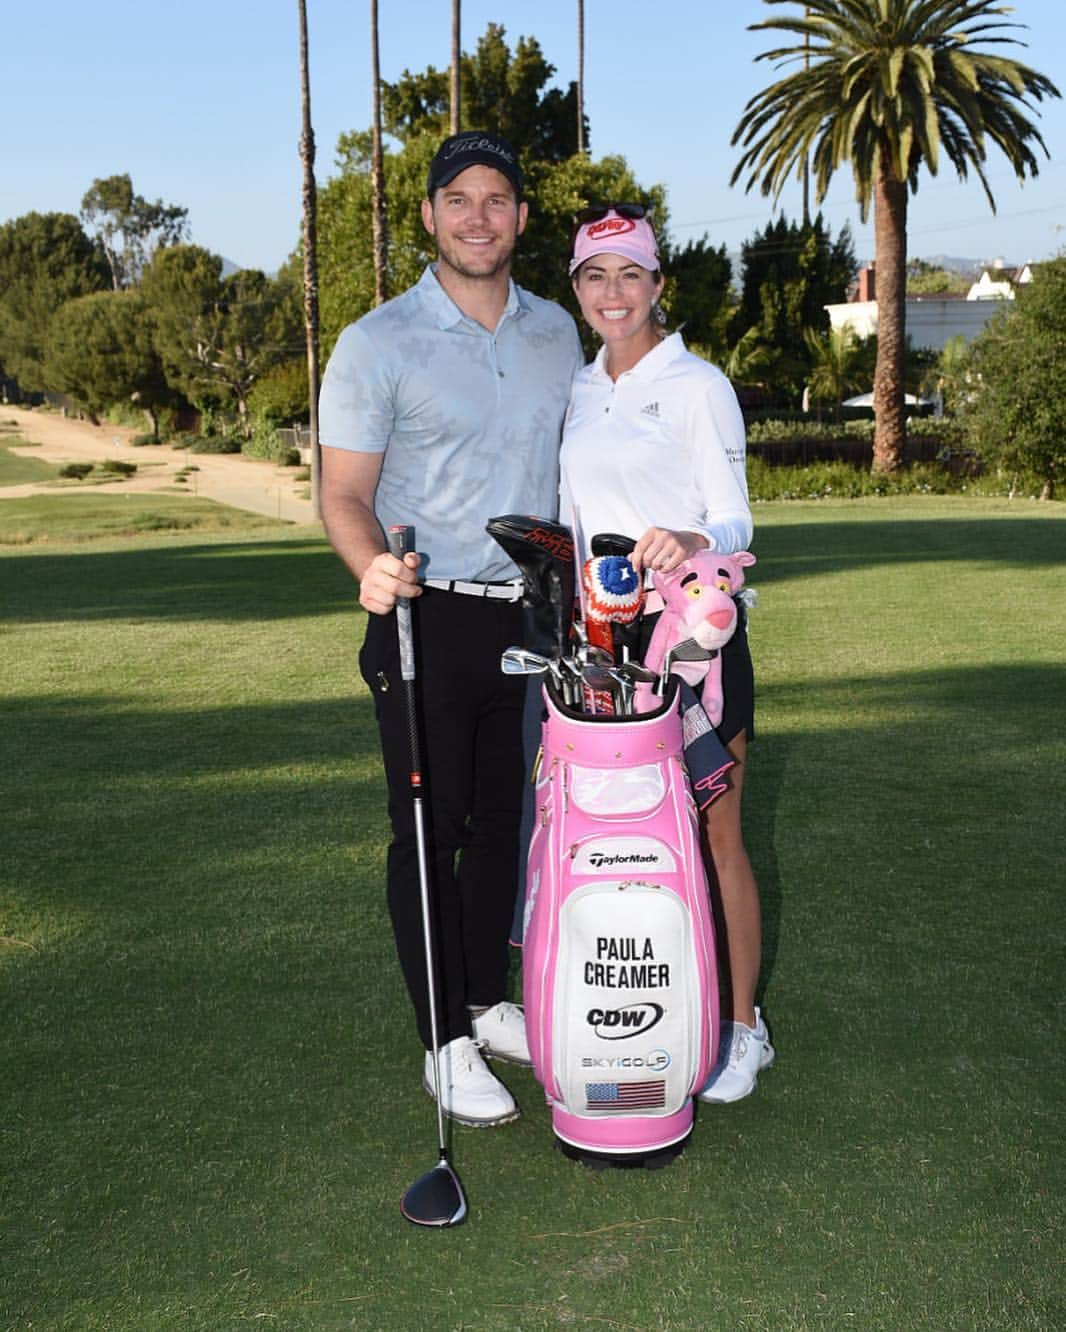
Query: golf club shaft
pixel 401 541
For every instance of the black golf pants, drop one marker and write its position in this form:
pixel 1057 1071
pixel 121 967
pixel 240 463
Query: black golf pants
pixel 470 734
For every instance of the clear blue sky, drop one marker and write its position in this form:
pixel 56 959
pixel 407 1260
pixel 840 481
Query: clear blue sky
pixel 199 102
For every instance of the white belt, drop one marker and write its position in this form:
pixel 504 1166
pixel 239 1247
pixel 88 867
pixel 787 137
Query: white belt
pixel 494 591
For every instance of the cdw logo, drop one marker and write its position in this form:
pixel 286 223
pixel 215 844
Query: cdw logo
pixel 615 1024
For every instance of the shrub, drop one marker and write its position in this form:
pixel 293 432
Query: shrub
pixel 139 441
pixel 116 465
pixel 76 471
pixel 212 444
pixel 281 395
pixel 264 441
pixel 841 480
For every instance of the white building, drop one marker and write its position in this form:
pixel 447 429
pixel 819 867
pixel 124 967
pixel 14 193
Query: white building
pixel 931 321
pixel 999 282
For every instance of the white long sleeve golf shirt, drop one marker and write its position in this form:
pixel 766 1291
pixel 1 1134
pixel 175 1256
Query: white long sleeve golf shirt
pixel 662 446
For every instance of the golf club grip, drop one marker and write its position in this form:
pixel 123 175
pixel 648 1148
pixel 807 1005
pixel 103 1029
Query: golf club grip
pixel 401 540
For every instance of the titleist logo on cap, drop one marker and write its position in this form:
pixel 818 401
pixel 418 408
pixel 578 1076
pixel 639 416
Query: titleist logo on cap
pixel 479 145
pixel 611 226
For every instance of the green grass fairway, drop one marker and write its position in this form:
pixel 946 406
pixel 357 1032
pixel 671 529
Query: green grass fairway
pixel 81 517
pixel 211 1100
pixel 16 470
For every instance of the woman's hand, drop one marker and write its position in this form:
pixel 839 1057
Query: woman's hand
pixel 661 549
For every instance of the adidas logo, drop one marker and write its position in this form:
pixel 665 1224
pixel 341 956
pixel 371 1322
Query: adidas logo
pixel 650 409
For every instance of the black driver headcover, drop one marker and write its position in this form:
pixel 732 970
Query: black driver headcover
pixel 544 553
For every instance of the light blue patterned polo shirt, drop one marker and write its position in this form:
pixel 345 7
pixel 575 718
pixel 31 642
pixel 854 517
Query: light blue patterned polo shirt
pixel 469 420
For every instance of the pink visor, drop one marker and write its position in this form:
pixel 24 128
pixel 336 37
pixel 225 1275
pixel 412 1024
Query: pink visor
pixel 631 237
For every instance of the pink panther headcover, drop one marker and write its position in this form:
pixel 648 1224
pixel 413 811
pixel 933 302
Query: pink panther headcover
pixel 698 604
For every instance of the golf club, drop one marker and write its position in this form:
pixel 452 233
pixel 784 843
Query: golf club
pixel 626 676
pixel 435 1198
pixel 687 650
pixel 543 550
pixel 626 633
pixel 522 661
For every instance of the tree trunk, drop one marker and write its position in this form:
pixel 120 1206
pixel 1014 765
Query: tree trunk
pixel 378 220
pixel 890 288
pixel 456 54
pixel 581 76
pixel 310 248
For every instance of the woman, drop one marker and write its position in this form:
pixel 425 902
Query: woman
pixel 653 447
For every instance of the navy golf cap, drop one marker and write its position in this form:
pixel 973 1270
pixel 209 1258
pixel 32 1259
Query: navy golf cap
pixel 473 148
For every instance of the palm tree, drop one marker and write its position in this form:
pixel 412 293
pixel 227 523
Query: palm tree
pixel 581 76
pixel 836 365
pixel 950 375
pixel 890 85
pixel 378 220
pixel 749 362
pixel 310 248
pixel 456 56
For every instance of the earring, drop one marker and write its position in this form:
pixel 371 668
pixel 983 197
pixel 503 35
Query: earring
pixel 658 314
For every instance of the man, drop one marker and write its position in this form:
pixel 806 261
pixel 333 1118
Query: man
pixel 443 408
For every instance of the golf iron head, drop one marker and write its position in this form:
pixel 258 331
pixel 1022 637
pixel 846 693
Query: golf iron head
pixel 523 661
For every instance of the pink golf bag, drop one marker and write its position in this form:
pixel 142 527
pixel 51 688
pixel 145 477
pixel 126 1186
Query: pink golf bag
pixel 620 981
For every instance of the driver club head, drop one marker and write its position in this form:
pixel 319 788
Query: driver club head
pixel 435 1198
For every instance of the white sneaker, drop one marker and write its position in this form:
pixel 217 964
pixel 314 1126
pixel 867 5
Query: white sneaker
pixel 470 1093
pixel 501 1032
pixel 743 1055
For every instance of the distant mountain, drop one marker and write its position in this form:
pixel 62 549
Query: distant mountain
pixel 970 268
pixel 953 264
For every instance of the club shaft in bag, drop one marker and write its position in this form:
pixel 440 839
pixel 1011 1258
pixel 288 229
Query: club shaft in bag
pixel 436 1198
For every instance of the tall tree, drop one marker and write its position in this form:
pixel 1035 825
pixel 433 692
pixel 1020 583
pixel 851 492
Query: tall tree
pixel 129 227
pixel 45 260
pixel 790 272
pixel 580 76
pixel 699 294
pixel 219 335
pixel 890 84
pixel 1014 405
pixel 101 352
pixel 310 249
pixel 501 91
pixel 379 221
pixel 454 90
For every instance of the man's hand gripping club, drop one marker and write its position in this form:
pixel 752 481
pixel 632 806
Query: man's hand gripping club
pixel 386 579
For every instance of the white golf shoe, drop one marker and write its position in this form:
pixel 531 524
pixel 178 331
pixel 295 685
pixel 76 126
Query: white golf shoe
pixel 470 1094
pixel 501 1032
pixel 742 1056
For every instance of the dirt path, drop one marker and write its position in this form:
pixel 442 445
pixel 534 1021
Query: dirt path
pixel 229 478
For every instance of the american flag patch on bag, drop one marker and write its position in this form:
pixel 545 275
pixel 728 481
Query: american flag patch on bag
pixel 625 1095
